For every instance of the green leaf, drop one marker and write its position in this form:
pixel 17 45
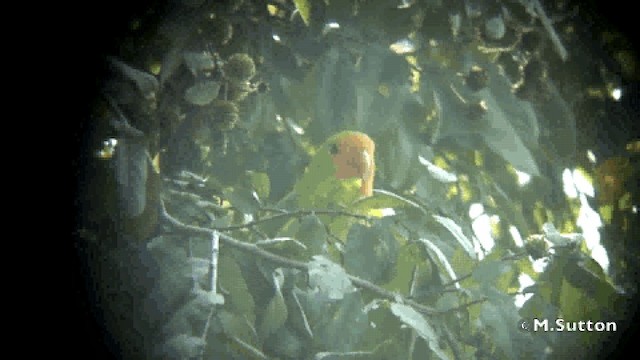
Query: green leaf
pixel 502 138
pixel 447 301
pixel 231 280
pixel 341 325
pixel 312 233
pixel 243 199
pixel 498 324
pixel 442 259
pixel 437 172
pixel 334 94
pixel 538 307
pixel 304 7
pixel 412 269
pixel 557 115
pixel 275 315
pixel 131 172
pixel 182 347
pixel 488 270
pixel 416 321
pixel 260 183
pixel 399 157
pixel 456 231
pixel 520 114
pixel 575 304
pixel 286 344
pixel 236 325
pixel 329 278
pixel 589 276
pixel 371 252
pixel 202 93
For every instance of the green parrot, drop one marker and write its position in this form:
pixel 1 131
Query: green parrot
pixel 341 172
pixel 339 176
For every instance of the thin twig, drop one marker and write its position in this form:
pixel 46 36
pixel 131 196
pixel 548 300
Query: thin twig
pixel 511 257
pixel 252 248
pixel 294 214
pixel 205 331
pixel 463 306
pixel 461 278
pixel 546 22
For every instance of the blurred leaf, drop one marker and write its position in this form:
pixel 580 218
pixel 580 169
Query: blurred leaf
pixel 502 138
pixel 437 172
pixel 587 276
pixel 500 325
pixel 335 94
pixel 182 347
pixel 200 269
pixel 304 7
pixel 242 349
pixel 414 319
pixel 131 171
pixel 520 114
pixel 146 83
pixel 203 301
pixel 559 121
pixel 442 259
pixel 231 280
pixel 447 301
pixel 285 344
pixel 371 252
pixel 489 270
pixel 260 183
pixel 170 63
pixel 198 62
pixel 575 304
pixel 383 92
pixel 438 84
pixel 397 157
pixel 243 199
pixel 275 315
pixel 203 92
pixel 413 270
pixel 610 176
pixel 298 318
pixel 329 278
pixel 341 325
pixel 174 278
pixel 462 263
pixel 538 308
pixel 235 325
pixel 456 231
pixel 312 233
pixel 285 162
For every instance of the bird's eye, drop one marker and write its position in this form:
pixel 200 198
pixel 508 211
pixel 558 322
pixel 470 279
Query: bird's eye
pixel 333 149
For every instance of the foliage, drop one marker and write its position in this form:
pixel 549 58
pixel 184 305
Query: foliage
pixel 235 114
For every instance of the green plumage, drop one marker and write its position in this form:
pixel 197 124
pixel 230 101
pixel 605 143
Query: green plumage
pixel 318 188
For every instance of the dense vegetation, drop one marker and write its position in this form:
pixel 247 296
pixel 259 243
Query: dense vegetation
pixel 210 113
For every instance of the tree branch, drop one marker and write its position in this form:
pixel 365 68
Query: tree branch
pixel 280 260
pixel 293 214
pixel 463 306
